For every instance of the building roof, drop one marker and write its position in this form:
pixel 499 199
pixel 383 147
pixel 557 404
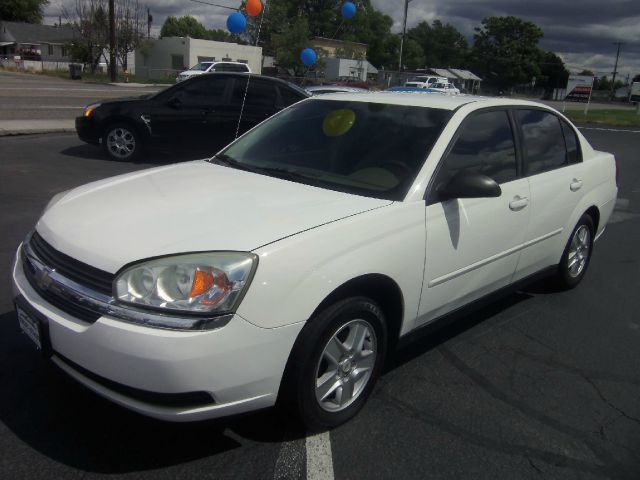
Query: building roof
pixel 443 72
pixel 17 32
pixel 464 74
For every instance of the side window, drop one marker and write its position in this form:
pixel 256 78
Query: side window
pixel 543 141
pixel 203 92
pixel 289 96
pixel 260 94
pixel 486 146
pixel 574 154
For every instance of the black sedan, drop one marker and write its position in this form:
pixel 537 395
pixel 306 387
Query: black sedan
pixel 202 113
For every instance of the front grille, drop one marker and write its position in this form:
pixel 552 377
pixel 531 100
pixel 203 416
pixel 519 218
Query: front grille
pixel 79 272
pixel 75 310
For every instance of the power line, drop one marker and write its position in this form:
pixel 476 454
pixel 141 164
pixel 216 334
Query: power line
pixel 216 5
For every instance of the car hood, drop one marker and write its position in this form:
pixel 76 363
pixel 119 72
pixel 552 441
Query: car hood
pixel 196 206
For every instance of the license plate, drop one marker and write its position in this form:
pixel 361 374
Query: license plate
pixel 30 327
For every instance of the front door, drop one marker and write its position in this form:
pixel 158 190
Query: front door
pixel 473 244
pixel 186 117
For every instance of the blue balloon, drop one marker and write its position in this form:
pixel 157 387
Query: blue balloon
pixel 348 10
pixel 308 56
pixel 236 23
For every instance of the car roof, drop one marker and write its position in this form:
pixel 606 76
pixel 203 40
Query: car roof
pixel 419 99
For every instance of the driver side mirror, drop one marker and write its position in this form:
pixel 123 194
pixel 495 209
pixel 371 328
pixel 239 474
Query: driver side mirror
pixel 467 184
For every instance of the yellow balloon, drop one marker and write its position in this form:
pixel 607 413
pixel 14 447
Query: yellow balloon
pixel 338 122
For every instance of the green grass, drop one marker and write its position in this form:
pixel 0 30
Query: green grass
pixel 619 118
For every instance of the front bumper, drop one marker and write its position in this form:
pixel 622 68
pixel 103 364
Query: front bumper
pixel 239 365
pixel 87 130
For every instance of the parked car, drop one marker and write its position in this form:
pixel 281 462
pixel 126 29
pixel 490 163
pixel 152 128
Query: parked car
pixel 202 113
pixel 443 87
pixel 424 81
pixel 352 82
pixel 289 266
pixel 413 90
pixel 210 67
pixel 321 89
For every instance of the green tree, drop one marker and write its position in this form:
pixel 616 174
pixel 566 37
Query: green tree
pixel 587 73
pixel 29 11
pixel 636 78
pixel 505 51
pixel 288 45
pixel 602 83
pixel 443 45
pixel 553 73
pixel 188 26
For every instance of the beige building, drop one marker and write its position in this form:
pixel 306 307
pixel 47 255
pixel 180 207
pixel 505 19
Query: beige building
pixel 340 49
pixel 165 57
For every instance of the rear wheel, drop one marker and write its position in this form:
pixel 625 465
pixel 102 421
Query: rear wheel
pixel 335 363
pixel 577 254
pixel 121 142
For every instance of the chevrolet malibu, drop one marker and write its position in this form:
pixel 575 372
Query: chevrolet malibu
pixel 286 268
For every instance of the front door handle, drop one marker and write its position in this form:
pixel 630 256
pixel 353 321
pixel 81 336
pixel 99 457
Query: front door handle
pixel 576 185
pixel 518 203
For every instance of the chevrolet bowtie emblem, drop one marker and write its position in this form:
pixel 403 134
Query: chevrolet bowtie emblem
pixel 43 279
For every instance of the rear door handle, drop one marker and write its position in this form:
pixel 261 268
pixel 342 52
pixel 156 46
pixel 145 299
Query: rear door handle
pixel 518 203
pixel 576 185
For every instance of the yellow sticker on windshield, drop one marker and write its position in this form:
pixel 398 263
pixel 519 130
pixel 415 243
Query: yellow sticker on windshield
pixel 338 122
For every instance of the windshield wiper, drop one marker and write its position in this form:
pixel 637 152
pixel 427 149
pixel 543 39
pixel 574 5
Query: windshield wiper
pixel 226 160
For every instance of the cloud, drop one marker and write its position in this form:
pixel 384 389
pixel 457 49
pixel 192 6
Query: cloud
pixel 581 32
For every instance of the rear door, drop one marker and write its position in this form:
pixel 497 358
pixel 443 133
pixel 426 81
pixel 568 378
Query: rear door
pixel 553 166
pixel 473 244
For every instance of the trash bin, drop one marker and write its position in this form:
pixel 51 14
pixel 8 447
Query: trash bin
pixel 75 71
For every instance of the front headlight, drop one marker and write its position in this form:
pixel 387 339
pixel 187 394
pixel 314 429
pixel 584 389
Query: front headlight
pixel 199 283
pixel 88 110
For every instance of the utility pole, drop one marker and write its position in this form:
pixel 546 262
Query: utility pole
pixel 615 69
pixel 112 42
pixel 404 31
pixel 149 20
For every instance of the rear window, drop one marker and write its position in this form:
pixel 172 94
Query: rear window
pixel 369 149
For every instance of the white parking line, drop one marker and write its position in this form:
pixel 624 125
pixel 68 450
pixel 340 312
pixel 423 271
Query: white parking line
pixel 290 461
pixel 319 458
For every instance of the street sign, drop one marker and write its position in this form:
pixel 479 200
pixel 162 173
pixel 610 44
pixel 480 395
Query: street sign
pixel 579 88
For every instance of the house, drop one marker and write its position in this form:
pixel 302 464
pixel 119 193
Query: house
pixel 35 46
pixel 165 57
pixel 344 59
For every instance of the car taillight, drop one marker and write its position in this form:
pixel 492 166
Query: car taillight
pixel 617 173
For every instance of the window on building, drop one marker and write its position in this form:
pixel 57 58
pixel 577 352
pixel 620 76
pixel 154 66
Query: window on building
pixel 63 51
pixel 50 49
pixel 177 62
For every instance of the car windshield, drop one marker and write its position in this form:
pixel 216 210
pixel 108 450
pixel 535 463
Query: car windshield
pixel 370 149
pixel 201 67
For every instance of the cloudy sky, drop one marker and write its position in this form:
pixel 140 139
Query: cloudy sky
pixel 582 32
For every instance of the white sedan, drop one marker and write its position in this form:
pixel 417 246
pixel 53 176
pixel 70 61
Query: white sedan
pixel 289 266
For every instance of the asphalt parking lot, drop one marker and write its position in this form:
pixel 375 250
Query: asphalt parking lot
pixel 538 385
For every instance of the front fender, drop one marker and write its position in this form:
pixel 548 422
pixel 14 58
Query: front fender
pixel 296 274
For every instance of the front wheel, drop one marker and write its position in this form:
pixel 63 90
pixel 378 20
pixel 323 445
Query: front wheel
pixel 121 142
pixel 577 254
pixel 335 363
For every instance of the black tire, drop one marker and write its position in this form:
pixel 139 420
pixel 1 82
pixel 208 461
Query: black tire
pixel 568 275
pixel 298 392
pixel 122 142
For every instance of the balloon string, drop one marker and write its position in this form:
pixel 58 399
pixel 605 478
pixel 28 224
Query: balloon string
pixel 244 99
pixel 339 27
